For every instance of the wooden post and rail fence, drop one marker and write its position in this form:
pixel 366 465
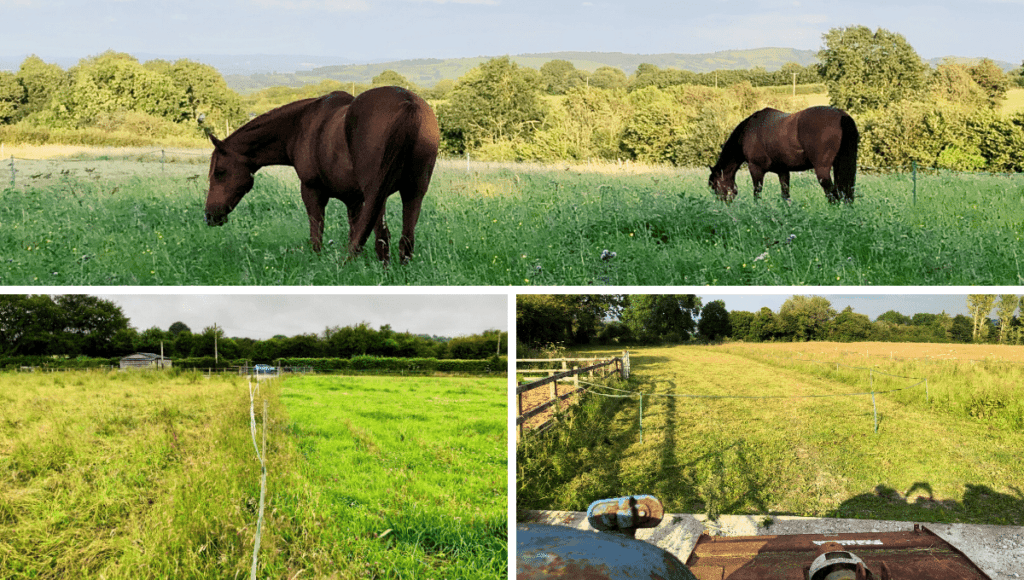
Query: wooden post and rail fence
pixel 569 371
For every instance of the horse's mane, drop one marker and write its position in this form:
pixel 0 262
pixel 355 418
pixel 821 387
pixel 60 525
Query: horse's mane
pixel 253 131
pixel 733 147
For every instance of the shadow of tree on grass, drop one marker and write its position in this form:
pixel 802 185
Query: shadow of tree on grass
pixel 980 505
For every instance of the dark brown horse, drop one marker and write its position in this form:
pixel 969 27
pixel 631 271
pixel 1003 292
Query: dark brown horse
pixel 359 150
pixel 819 138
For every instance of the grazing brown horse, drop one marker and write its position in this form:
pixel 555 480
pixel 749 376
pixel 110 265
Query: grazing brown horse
pixel 359 150
pixel 819 138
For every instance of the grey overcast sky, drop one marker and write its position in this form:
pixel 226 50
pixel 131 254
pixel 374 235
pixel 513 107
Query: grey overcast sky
pixel 872 305
pixel 262 316
pixel 377 30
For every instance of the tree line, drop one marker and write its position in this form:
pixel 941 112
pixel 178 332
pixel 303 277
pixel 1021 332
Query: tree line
pixel 73 325
pixel 944 117
pixel 543 321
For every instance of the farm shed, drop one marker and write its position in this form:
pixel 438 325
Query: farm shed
pixel 145 360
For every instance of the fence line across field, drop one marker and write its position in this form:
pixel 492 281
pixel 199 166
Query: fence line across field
pixel 521 417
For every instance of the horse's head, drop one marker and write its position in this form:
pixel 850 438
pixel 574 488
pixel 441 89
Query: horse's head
pixel 230 179
pixel 723 183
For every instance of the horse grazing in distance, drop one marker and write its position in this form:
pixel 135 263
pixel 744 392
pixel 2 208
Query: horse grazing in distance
pixel 820 138
pixel 359 150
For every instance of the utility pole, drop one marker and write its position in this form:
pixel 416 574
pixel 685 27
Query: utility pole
pixel 794 84
pixel 216 359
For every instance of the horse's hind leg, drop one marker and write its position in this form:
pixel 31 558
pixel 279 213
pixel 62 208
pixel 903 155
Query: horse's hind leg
pixel 383 235
pixel 412 201
pixel 824 176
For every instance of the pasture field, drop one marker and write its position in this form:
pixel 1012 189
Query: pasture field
pixel 523 225
pixel 154 475
pixel 412 472
pixel 791 444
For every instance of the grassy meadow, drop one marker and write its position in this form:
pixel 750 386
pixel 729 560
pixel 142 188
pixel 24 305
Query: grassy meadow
pixel 154 475
pixel 520 225
pixel 950 455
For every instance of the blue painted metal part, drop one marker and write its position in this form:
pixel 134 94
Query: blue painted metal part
pixel 545 552
pixel 625 514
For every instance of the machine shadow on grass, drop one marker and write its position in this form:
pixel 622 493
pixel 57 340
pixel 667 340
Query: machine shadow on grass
pixel 981 504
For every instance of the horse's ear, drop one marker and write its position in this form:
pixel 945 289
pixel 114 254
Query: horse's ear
pixel 217 143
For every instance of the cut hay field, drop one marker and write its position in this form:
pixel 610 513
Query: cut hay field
pixel 520 225
pixel 129 475
pixel 788 440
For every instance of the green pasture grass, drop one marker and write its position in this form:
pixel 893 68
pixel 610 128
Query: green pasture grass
pixel 811 456
pixel 154 475
pixel 411 472
pixel 524 226
pixel 125 475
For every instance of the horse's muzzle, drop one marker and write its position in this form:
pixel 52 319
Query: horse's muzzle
pixel 216 219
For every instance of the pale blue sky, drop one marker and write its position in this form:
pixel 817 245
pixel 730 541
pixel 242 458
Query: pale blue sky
pixel 377 30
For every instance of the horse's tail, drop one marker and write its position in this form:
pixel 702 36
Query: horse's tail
pixel 845 164
pixel 406 134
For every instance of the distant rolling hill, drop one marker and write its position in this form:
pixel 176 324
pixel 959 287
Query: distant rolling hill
pixel 427 72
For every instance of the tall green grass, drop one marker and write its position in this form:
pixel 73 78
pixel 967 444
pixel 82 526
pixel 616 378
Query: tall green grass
pixel 523 226
pixel 154 475
pixel 412 472
pixel 986 391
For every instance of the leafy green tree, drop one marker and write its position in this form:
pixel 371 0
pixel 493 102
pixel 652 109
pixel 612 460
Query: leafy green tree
pixel 586 124
pixel 608 77
pixel 497 101
pixel 961 329
pixel 390 78
pixel 954 83
pixel 12 97
pixel 90 323
pixel 765 326
pixel 150 340
pixel 991 78
pixel 205 91
pixel 893 317
pixel 849 326
pixel 714 321
pixel 979 306
pixel 868 70
pixel 558 76
pixel 806 317
pixel 661 317
pixel 1006 306
pixel 740 322
pixel 41 81
pixel 177 328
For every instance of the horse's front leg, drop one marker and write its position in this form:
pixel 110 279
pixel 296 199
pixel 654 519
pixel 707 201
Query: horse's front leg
pixel 757 176
pixel 824 176
pixel 316 205
pixel 784 184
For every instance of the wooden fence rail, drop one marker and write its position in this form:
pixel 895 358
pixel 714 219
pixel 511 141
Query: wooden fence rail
pixel 566 373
